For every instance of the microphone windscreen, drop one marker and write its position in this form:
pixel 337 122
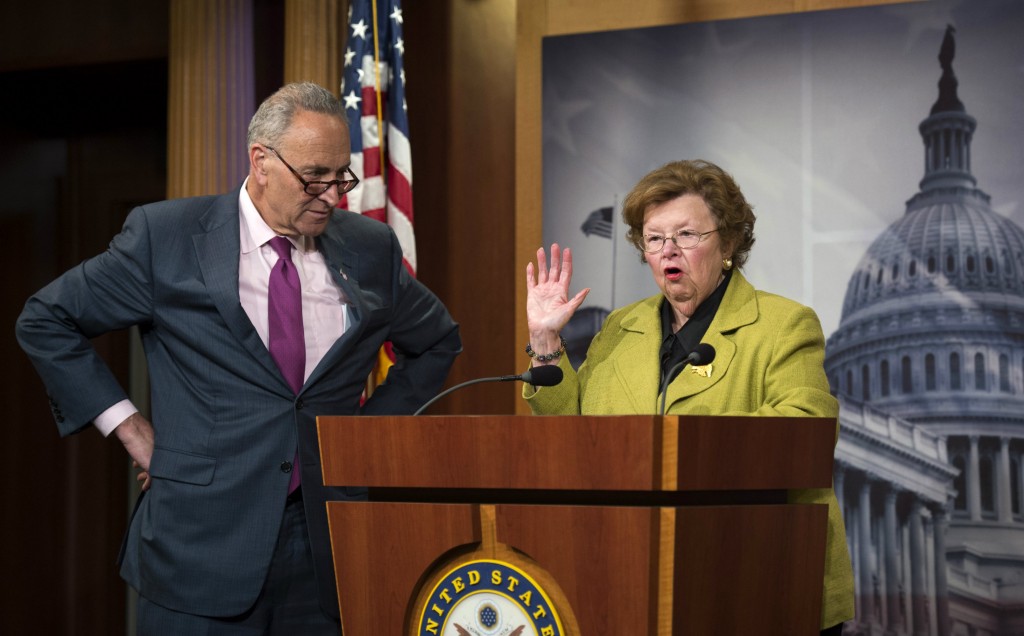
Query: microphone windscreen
pixel 546 375
pixel 703 354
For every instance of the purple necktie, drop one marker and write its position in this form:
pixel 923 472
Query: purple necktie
pixel 287 340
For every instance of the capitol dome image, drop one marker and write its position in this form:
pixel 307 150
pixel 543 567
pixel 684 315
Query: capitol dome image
pixel 928 365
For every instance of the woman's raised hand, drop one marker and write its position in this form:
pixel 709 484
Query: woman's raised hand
pixel 548 306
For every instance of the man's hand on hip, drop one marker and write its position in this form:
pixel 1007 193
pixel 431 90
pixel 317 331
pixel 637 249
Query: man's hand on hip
pixel 136 433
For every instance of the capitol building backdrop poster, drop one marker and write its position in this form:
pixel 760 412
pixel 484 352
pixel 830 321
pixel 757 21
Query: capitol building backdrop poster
pixel 883 151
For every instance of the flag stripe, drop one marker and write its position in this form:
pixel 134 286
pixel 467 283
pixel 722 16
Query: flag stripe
pixel 371 167
pixel 402 225
pixel 400 151
pixel 399 192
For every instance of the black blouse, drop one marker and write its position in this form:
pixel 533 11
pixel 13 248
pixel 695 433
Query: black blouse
pixel 676 346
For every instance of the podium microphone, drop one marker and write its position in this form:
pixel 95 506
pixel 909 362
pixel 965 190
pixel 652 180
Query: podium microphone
pixel 701 354
pixel 547 375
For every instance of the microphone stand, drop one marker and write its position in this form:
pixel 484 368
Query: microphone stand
pixel 668 379
pixel 542 379
pixel 503 378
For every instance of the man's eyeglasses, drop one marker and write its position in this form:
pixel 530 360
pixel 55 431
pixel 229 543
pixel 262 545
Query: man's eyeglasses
pixel 316 188
pixel 683 239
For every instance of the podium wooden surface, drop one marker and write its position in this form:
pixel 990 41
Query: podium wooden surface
pixel 641 524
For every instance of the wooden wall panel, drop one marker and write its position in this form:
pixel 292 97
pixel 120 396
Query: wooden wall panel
pixel 427 32
pixel 66 499
pixel 211 95
pixel 461 104
pixel 313 33
pixel 75 33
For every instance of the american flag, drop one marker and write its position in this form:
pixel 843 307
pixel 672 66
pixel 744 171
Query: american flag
pixel 599 222
pixel 373 92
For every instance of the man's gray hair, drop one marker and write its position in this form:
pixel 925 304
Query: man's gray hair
pixel 275 114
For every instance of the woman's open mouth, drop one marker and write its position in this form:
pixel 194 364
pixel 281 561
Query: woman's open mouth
pixel 673 273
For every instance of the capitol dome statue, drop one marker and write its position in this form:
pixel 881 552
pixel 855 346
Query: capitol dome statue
pixel 928 364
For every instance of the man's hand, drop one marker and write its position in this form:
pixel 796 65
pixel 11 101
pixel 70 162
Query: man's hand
pixel 136 433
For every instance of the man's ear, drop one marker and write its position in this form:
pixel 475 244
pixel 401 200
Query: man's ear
pixel 257 161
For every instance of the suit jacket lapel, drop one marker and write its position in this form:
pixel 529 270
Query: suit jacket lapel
pixel 738 308
pixel 636 368
pixel 217 250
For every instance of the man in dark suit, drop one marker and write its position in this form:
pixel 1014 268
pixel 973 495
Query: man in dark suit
pixel 224 538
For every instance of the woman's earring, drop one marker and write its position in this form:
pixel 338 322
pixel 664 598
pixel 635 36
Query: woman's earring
pixel 726 264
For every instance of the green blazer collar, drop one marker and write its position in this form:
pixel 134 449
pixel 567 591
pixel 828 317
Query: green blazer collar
pixel 641 340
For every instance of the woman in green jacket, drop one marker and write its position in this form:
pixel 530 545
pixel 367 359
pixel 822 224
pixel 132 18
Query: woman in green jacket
pixel 694 229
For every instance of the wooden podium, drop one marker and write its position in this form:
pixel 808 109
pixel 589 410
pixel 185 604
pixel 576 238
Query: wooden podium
pixel 628 524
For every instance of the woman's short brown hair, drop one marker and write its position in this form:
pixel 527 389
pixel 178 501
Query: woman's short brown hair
pixel 734 217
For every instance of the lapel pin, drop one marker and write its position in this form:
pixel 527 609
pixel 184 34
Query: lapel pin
pixel 704 371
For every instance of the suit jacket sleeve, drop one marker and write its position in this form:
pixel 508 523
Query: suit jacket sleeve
pixel 570 396
pixel 561 399
pixel 425 340
pixel 108 292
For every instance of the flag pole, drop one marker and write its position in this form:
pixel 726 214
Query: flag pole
pixel 376 83
pixel 615 206
pixel 384 361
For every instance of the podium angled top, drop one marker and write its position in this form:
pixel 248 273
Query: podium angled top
pixel 600 453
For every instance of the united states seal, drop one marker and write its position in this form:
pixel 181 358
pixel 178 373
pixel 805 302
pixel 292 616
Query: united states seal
pixel 488 598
